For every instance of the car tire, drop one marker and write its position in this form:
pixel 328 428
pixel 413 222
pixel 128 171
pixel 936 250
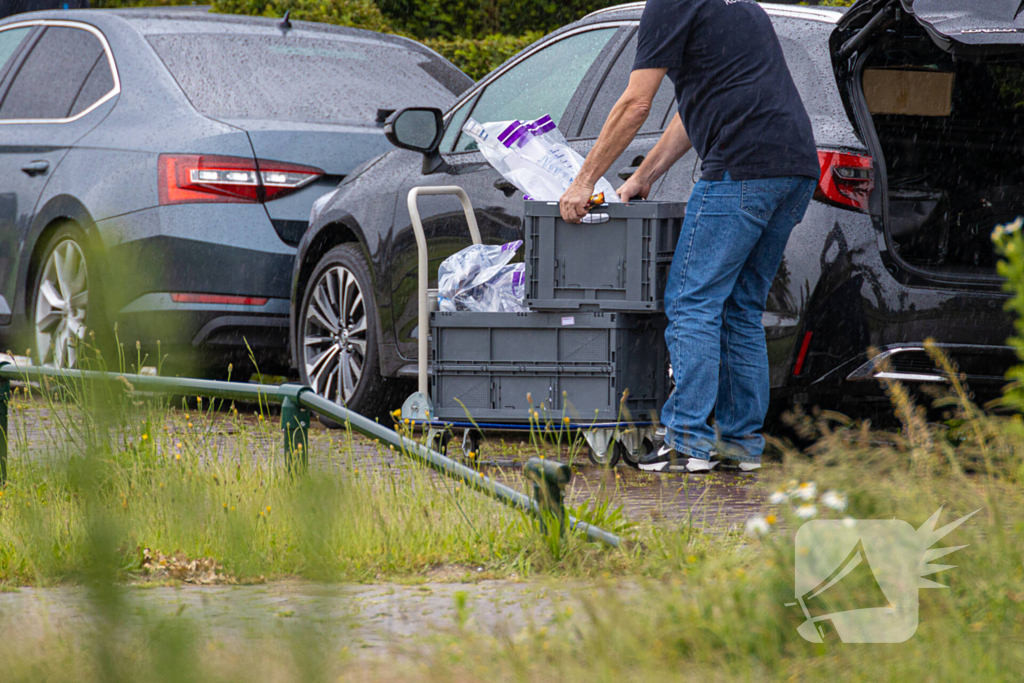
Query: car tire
pixel 338 333
pixel 66 308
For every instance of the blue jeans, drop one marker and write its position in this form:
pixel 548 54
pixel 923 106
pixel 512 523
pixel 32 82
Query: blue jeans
pixel 731 245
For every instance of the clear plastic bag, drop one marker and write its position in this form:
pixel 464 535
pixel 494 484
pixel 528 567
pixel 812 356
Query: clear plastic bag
pixel 534 156
pixel 479 278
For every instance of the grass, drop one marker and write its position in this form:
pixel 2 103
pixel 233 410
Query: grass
pixel 178 482
pixel 109 488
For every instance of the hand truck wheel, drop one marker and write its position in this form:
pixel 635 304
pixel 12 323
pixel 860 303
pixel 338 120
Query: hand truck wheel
pixel 646 446
pixel 439 442
pixel 471 444
pixel 603 449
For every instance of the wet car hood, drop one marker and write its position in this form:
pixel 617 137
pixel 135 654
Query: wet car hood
pixel 958 26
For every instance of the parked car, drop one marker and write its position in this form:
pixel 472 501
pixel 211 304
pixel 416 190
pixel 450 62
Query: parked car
pixel 893 251
pixel 157 169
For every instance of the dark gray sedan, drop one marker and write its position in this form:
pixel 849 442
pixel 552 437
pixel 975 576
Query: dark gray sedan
pixel 158 167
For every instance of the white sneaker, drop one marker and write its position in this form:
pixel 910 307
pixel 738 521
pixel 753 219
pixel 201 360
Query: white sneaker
pixel 667 459
pixel 700 465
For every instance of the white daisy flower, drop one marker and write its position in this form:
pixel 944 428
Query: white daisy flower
pixel 806 491
pixel 778 498
pixel 806 511
pixel 834 500
pixel 757 526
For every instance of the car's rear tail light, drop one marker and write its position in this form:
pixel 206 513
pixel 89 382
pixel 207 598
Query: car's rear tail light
pixel 191 298
pixel 279 178
pixel 193 178
pixel 847 180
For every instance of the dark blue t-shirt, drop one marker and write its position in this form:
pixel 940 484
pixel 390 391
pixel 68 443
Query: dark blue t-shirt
pixel 736 96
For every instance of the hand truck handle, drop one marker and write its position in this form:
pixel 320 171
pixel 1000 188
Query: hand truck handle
pixel 423 263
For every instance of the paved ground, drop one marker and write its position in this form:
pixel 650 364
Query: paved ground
pixel 365 620
pixel 41 427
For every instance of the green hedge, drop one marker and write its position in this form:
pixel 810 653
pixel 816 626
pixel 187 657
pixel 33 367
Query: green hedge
pixel 357 13
pixel 450 19
pixel 478 57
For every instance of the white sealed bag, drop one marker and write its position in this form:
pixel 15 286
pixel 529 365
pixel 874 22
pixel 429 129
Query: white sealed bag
pixel 479 278
pixel 534 156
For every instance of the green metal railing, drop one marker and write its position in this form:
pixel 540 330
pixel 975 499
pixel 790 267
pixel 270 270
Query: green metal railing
pixel 297 401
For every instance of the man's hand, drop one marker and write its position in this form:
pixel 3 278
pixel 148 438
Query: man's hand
pixel 624 120
pixel 573 204
pixel 634 187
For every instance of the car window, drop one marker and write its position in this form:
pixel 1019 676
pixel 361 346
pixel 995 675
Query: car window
pixel 298 78
pixel 543 83
pixel 9 42
pixel 99 82
pixel 612 88
pixel 455 122
pixel 48 82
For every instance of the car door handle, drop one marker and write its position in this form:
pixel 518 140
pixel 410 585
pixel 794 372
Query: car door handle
pixel 36 167
pixel 505 186
pixel 627 172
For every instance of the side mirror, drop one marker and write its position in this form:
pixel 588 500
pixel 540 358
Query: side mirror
pixel 417 128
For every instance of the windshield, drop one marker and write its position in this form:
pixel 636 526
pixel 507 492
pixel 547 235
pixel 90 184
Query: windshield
pixel 301 79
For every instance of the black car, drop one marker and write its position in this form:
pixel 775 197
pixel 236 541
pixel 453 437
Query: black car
pixel 157 170
pixel 918 167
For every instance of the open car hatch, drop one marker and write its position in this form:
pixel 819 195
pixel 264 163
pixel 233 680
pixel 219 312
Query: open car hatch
pixel 935 89
pixel 957 26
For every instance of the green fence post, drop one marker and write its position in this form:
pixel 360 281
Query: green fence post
pixel 295 424
pixel 5 397
pixel 549 481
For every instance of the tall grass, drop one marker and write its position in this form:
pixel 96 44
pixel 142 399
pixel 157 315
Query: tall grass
pixel 213 484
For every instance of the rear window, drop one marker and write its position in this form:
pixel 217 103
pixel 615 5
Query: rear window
pixel 287 78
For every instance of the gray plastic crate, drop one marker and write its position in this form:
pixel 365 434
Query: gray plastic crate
pixel 619 265
pixel 574 364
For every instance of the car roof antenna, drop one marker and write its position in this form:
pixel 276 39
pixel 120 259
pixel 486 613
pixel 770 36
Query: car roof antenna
pixel 285 24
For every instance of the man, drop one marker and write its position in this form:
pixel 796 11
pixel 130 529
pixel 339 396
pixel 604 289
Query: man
pixel 739 107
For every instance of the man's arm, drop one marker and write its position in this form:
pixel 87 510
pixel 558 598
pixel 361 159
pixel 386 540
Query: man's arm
pixel 624 121
pixel 674 143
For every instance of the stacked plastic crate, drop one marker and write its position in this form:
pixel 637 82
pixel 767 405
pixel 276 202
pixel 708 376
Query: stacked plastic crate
pixel 594 333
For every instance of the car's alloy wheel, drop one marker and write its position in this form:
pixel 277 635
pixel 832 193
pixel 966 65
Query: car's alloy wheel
pixel 62 297
pixel 334 337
